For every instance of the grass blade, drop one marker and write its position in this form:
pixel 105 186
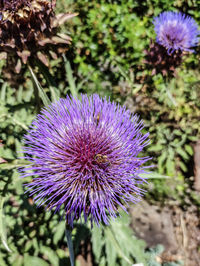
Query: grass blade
pixel 2 230
pixel 41 91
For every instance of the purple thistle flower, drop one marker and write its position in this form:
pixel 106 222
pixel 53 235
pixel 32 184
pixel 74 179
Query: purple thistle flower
pixel 84 156
pixel 176 31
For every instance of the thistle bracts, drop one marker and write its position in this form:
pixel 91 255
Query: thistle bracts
pixel 159 61
pixel 29 29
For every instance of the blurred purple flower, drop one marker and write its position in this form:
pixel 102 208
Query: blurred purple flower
pixel 84 156
pixel 176 31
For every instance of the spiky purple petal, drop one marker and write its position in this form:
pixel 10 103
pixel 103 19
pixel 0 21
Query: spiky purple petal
pixel 84 155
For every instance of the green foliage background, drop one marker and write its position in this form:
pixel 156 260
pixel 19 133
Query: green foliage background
pixel 106 57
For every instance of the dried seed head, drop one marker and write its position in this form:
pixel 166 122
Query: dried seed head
pixel 29 29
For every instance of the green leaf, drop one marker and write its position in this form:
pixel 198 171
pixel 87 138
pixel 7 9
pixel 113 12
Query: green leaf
pixel 102 262
pixel 97 242
pixel 193 138
pixel 70 78
pixel 161 160
pixel 2 262
pixel 51 255
pixel 153 175
pixel 177 132
pixel 59 232
pixel 118 243
pixel 42 93
pixel 3 92
pixel 13 164
pixel 182 153
pixel 2 226
pixel 183 166
pixel 155 148
pixel 128 245
pixel 112 247
pixel 170 166
pixel 50 80
pixel 18 261
pixel 34 261
pixel 28 245
pixel 189 149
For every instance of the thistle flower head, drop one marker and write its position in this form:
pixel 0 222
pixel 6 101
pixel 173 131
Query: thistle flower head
pixel 176 31
pixel 84 156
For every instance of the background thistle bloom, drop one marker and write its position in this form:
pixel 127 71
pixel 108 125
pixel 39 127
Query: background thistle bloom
pixel 85 157
pixel 28 29
pixel 176 31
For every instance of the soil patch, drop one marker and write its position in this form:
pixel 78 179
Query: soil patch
pixel 176 229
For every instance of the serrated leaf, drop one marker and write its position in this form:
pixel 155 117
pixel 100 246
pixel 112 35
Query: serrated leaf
pixel 13 164
pixel 129 245
pixel 111 247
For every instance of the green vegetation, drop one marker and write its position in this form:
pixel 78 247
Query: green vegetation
pixel 107 56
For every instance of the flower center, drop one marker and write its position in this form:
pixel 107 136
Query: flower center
pixel 87 154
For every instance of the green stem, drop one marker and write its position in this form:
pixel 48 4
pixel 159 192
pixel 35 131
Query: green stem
pixel 70 244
